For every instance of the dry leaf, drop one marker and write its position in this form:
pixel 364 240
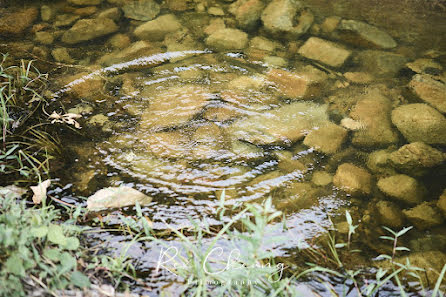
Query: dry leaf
pixel 40 191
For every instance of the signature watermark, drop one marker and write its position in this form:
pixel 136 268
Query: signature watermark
pixel 216 262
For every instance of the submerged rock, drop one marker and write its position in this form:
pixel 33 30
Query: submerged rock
pixel 17 22
pixel 430 90
pixel 363 34
pixel 44 37
pixel 227 39
pixel 133 51
pixel 157 29
pixel 424 216
pixel 141 10
pixel 247 12
pixel 373 111
pixel 61 54
pixel 85 2
pixel 353 179
pixel 441 204
pixel 324 51
pixel 284 125
pixel 296 85
pixel 327 139
pixel 287 163
pixel 174 107
pixel 321 178
pixel 88 29
pixel 116 197
pixel 403 188
pixel 170 144
pixel 431 261
pixel 279 18
pixel 378 163
pixel 380 63
pixel 420 122
pixel 416 158
pixel 389 214
pixel 424 65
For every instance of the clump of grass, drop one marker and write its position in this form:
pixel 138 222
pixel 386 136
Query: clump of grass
pixel 26 145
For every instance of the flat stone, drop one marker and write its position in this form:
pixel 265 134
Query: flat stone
pixel 175 106
pixel 424 216
pixel 324 51
pixel 390 215
pixel 359 77
pixel 85 11
pixel 116 197
pixel 327 139
pixel 420 123
pixel 141 10
pixel 157 29
pixel 216 11
pixel 227 39
pixel 247 12
pixel 416 158
pixel 353 179
pixel 88 29
pixel 85 2
pixel 135 50
pixel 17 22
pixel 373 112
pixel 119 41
pixel 263 44
pixel 296 85
pixel 221 113
pixel 46 13
pixel 429 90
pixel 424 65
pixel 284 125
pixel 330 24
pixel 402 188
pixel 363 34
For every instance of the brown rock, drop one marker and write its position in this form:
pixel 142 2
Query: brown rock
pixel 353 179
pixel 430 90
pixel 441 204
pixel 324 51
pixel 424 216
pixel 373 111
pixel 17 22
pixel 403 188
pixel 389 214
pixel 327 139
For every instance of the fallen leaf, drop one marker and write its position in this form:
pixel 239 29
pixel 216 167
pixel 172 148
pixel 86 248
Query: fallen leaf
pixel 40 191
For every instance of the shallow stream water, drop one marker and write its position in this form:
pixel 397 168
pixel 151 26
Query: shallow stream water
pixel 184 99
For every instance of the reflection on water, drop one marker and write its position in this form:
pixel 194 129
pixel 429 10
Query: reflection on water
pixel 323 105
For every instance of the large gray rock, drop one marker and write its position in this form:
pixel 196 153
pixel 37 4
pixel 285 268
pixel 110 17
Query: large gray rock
pixel 141 10
pixel 324 51
pixel 424 216
pixel 403 188
pixel 373 112
pixel 227 39
pixel 279 18
pixel 327 139
pixel 416 158
pixel 430 90
pixel 420 122
pixel 363 34
pixel 284 125
pixel 88 29
pixel 157 29
pixel 353 179
pixel 247 12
